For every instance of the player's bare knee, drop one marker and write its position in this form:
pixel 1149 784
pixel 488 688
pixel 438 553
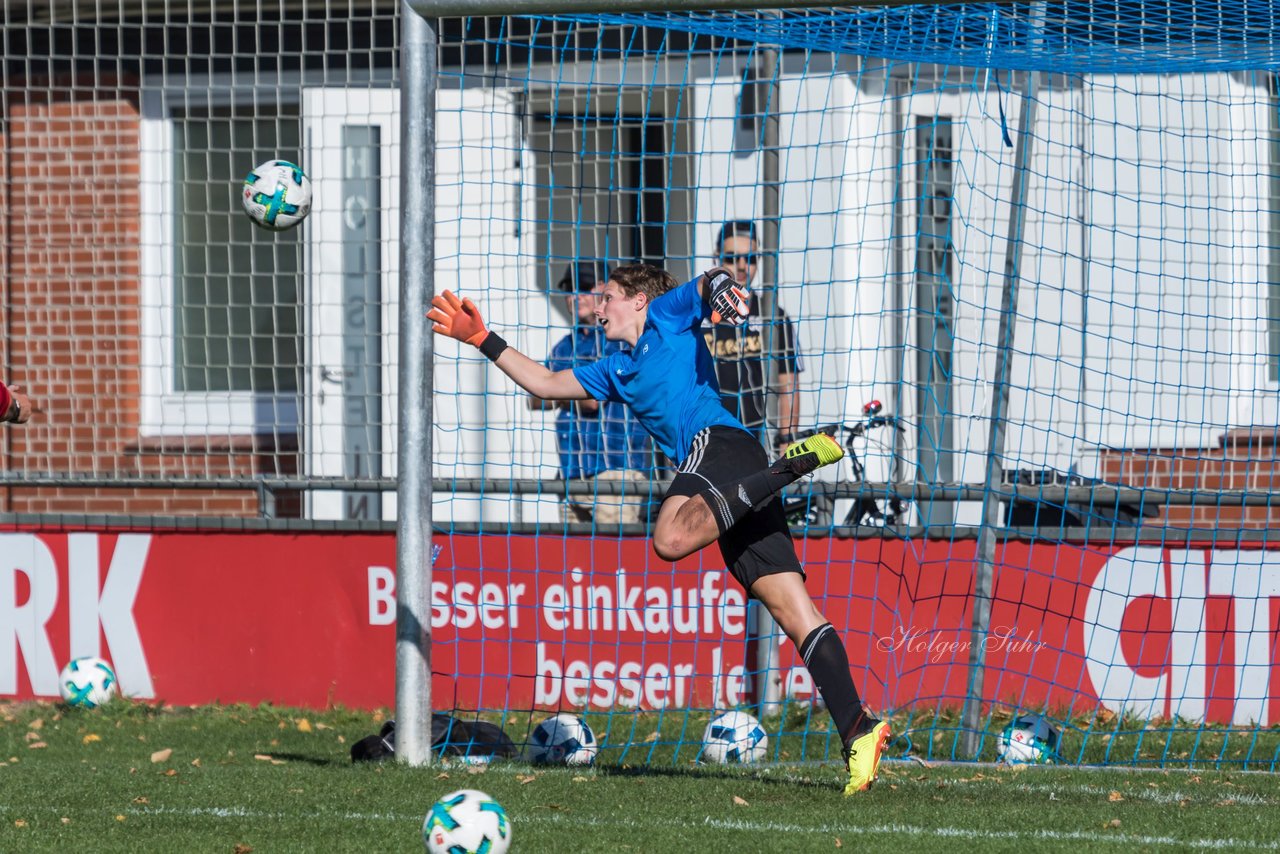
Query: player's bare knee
pixel 669 544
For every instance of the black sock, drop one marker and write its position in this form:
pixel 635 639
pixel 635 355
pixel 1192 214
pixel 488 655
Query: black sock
pixel 730 501
pixel 828 663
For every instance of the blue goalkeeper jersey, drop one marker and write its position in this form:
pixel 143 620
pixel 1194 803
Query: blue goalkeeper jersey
pixel 668 379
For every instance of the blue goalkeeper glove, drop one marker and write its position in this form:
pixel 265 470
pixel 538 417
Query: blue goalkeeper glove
pixel 728 300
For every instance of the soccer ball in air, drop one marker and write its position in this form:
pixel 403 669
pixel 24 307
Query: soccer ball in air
pixel 466 822
pixel 733 737
pixel 562 740
pixel 87 682
pixel 1029 739
pixel 277 195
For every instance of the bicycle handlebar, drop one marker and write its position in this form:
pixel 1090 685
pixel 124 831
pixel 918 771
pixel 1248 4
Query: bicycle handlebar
pixel 872 422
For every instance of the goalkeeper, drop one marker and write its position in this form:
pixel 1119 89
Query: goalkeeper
pixel 725 488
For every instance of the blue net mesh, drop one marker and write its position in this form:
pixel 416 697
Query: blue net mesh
pixel 1074 37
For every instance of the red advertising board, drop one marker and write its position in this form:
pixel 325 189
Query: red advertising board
pixel 307 620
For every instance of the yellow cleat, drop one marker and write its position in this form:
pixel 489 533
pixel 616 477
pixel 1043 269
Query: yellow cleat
pixel 813 453
pixel 864 757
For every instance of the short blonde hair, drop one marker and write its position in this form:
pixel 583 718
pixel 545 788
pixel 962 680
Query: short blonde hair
pixel 643 278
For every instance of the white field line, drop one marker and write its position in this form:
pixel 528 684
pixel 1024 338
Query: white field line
pixel 849 830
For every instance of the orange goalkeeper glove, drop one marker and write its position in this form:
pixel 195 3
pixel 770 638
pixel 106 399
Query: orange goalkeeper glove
pixel 457 318
pixel 460 319
pixel 728 300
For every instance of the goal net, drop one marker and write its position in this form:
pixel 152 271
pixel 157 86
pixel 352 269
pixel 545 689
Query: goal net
pixel 1043 240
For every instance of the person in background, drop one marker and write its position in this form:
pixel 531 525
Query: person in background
pixel 15 405
pixel 593 440
pixel 742 367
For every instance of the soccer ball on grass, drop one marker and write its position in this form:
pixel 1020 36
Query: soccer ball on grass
pixel 277 195
pixel 1029 739
pixel 87 682
pixel 732 738
pixel 466 822
pixel 562 740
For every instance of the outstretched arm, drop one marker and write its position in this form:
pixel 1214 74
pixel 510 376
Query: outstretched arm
pixel 461 320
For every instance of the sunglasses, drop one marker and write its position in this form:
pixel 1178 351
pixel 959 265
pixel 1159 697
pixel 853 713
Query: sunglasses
pixel 731 257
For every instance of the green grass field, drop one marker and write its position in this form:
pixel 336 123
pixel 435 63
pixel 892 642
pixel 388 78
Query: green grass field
pixel 134 777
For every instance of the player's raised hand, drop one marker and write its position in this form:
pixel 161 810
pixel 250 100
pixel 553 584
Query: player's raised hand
pixel 457 318
pixel 728 300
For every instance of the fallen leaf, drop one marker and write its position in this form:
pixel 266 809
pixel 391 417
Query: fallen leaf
pixel 20 822
pixel 740 802
pixel 839 844
pixel 172 772
pixel 36 745
pixel 196 762
pixel 651 738
pixel 263 757
pixel 141 800
pixel 304 725
pixel 90 738
pixel 119 818
pixel 342 739
pixel 162 755
pixel 32 736
pixel 1115 822
pixel 1114 797
pixel 65 820
pixel 36 724
pixel 241 848
pixel 579 779
pixel 525 779
pixel 442 776
pixel 322 726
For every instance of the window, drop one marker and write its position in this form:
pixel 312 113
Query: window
pixel 222 301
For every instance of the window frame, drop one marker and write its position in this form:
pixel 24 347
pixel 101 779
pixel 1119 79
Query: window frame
pixel 163 410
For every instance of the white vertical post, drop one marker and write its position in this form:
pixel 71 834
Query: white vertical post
pixel 418 68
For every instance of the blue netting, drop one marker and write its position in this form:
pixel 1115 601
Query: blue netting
pixel 1074 37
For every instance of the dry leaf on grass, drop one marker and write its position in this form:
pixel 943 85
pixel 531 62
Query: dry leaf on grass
pixel 162 755
pixel 525 779
pixel 1115 822
pixel 36 745
pixel 304 725
pixel 579 779
pixel 90 738
pixel 1114 797
pixel 740 802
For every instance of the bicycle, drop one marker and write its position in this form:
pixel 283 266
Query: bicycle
pixel 817 509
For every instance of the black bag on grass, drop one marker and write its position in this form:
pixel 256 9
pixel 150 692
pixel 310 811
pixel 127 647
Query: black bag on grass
pixel 449 737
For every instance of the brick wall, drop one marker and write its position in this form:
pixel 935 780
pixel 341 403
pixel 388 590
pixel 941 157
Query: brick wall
pixel 1246 460
pixel 70 238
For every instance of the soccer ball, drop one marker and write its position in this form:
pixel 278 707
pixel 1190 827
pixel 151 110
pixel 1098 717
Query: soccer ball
pixel 1029 739
pixel 277 195
pixel 734 737
pixel 87 682
pixel 466 822
pixel 562 739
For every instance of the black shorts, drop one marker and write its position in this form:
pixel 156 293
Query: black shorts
pixel 760 543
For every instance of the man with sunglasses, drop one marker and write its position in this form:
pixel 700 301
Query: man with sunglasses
pixel 742 353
